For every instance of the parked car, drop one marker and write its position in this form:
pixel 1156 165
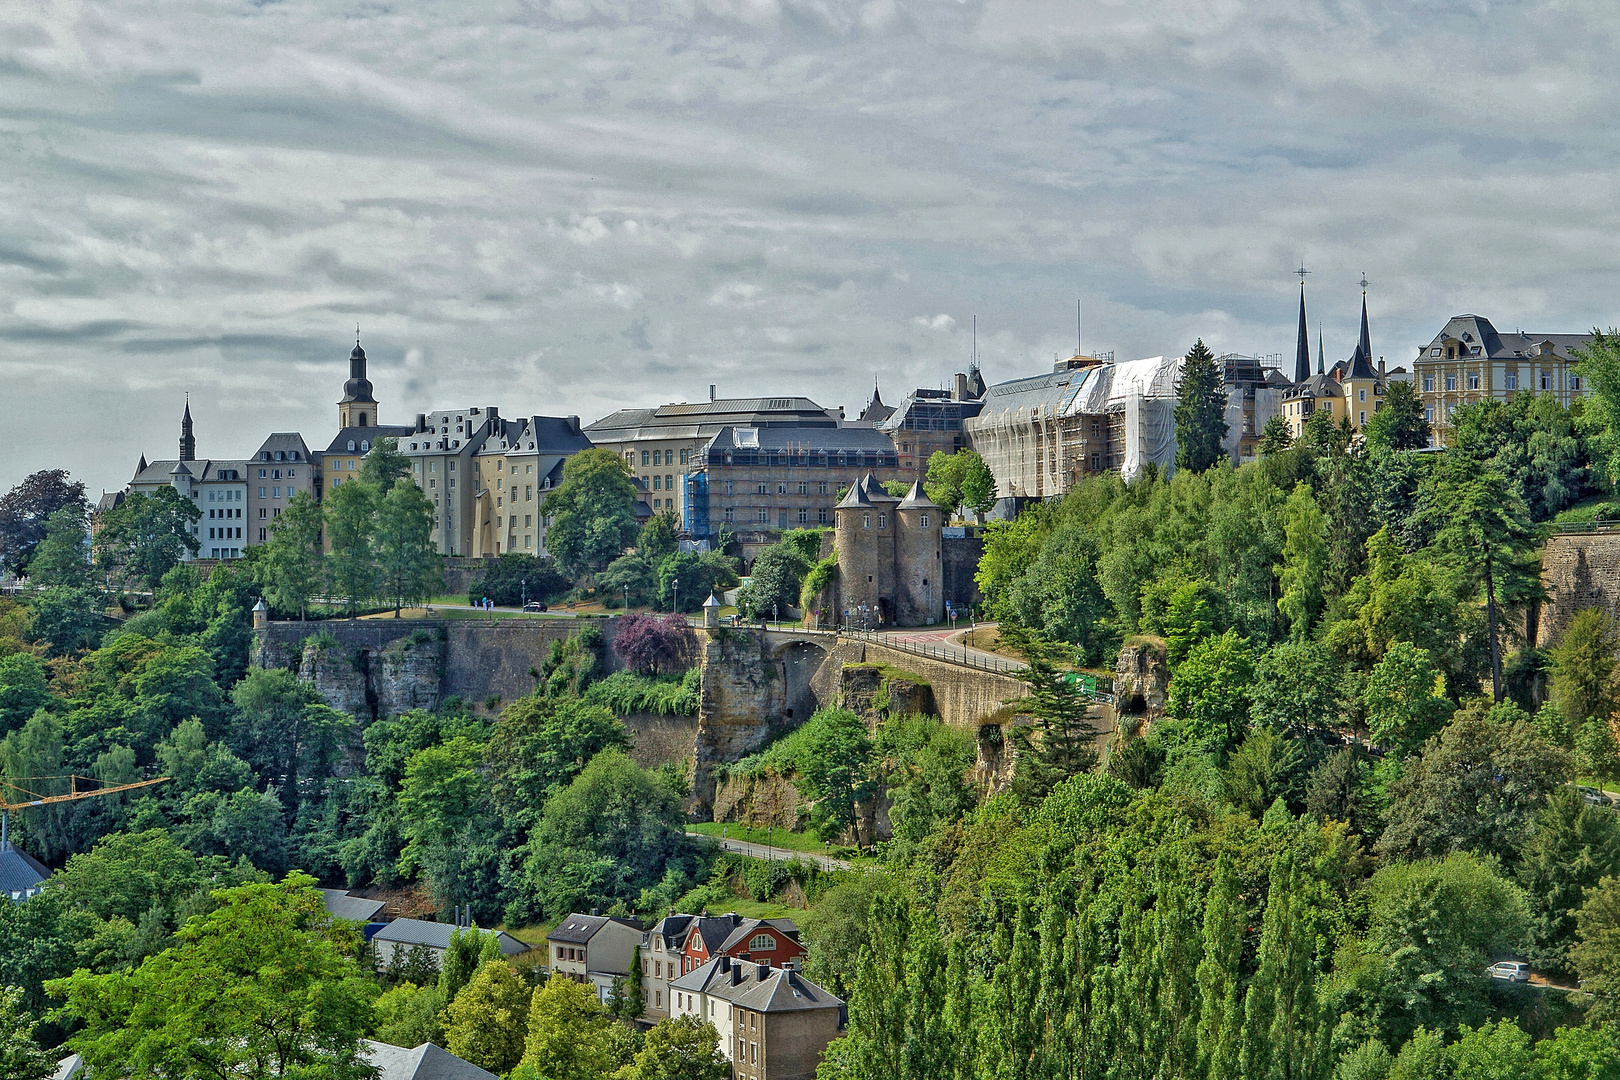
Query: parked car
pixel 534 605
pixel 1594 797
pixel 1509 971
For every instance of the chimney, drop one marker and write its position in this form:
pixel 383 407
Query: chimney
pixel 595 912
pixel 711 391
pixel 961 391
pixel 573 424
pixel 1380 365
pixel 736 975
pixel 725 964
pixel 421 422
pixel 764 971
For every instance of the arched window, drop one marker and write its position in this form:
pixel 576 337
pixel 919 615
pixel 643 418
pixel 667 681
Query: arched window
pixel 363 420
pixel 351 446
pixel 761 942
pixel 365 445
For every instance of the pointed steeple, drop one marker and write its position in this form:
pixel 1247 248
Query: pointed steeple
pixel 1302 354
pixel 142 466
pixel 188 441
pixel 1361 363
pixel 1321 366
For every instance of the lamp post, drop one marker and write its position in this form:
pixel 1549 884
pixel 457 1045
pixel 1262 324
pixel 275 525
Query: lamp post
pixel 776 616
pixel 627 599
pixel 674 595
pixel 524 594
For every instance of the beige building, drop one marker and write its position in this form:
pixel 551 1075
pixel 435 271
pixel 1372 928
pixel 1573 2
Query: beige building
pixel 594 949
pixel 1470 361
pixel 282 467
pixel 360 427
pixel 516 469
pixel 442 447
pixel 660 444
pixel 774 1024
pixel 1352 390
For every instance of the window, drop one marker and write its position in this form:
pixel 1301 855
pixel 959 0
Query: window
pixel 528 541
pixel 728 486
pixel 261 490
pixel 821 488
pixel 528 521
pixel 646 458
pixel 1574 382
pixel 866 521
pixel 275 474
pixel 760 489
pixel 804 516
pixel 1363 393
pixel 1435 351
pixel 262 513
pixel 1428 384
pixel 669 482
pixel 925 516
pixel 1546 380
pixel 883 521
pixel 686 457
pixel 528 492
pixel 764 516
pixel 261 535
pixel 1510 380
pixel 761 941
pixel 630 458
pixel 821 516
pixel 1473 381
pixel 1363 415
pixel 781 489
pixel 1451 382
pixel 275 493
pixel 729 514
pixel 658 483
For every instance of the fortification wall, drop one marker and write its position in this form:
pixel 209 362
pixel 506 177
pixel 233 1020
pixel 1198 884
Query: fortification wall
pixel 482 661
pixel 1577 571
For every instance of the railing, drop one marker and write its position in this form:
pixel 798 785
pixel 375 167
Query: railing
pixel 950 654
pixel 1597 525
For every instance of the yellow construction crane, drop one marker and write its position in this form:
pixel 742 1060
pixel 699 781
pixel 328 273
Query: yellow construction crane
pixel 9 789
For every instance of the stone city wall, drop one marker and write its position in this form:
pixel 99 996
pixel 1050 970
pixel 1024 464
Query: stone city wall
pixel 1578 571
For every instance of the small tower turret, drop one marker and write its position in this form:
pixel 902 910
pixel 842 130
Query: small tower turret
pixel 188 441
pixel 359 406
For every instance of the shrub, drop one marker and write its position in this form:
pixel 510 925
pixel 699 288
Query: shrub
pixel 651 645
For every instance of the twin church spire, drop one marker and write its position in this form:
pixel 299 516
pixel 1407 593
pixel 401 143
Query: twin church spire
pixel 1360 366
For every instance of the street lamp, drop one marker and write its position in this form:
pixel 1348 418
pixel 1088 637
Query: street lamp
pixel 525 594
pixel 776 616
pixel 627 599
pixel 674 595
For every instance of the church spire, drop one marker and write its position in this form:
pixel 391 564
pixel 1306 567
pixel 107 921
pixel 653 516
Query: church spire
pixel 188 441
pixel 1361 363
pixel 1321 354
pixel 1302 353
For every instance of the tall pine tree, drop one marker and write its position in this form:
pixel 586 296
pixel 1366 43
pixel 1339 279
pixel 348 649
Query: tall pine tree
pixel 1221 1020
pixel 1200 411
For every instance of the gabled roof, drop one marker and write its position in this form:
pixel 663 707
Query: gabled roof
pixel 578 929
pixel 854 498
pixel 344 906
pixel 748 927
pixel 673 928
pixel 778 990
pixel 437 935
pixel 20 871
pixel 425 1062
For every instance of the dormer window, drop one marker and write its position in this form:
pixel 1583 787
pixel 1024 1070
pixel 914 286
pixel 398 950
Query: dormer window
pixel 365 445
pixel 280 456
pixel 351 446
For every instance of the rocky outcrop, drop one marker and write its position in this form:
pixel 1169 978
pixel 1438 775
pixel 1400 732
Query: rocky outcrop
pixel 369 683
pixel 742 705
pixel 994 759
pixel 1141 680
pixel 762 802
pixel 875 691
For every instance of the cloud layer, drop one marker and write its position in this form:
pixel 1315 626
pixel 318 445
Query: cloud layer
pixel 573 206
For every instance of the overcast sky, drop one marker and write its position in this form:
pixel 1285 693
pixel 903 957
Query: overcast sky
pixel 578 205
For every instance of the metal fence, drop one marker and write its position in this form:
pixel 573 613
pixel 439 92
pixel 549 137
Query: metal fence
pixel 950 654
pixel 1597 525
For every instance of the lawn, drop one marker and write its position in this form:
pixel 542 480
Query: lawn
pixel 780 838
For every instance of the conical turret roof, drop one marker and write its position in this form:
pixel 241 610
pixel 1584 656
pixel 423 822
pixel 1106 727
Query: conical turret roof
pixel 1302 353
pixel 874 490
pixel 854 497
pixel 917 499
pixel 1361 361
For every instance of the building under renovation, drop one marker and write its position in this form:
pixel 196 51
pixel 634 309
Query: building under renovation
pixel 1040 435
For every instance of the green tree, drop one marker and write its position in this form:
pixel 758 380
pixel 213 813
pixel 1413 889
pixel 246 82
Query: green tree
pixel 442 803
pixel 1305 561
pixel 294 562
pixel 592 511
pixel 20 1056
pixel 67 620
pixel 1579 1053
pixel 384 466
pixel 960 480
pixel 679 1048
pixel 660 537
pixel 408 1015
pixel 263 985
pixel 28 755
pixel 568 1036
pixel 63 557
pixel 26 508
pixel 287 731
pixel 1265 768
pixel 835 765
pixel 1476 787
pixel 1402 699
pixel 698 574
pixel 1399 423
pixel 1211 692
pixel 23 689
pixel 1280 1016
pixel 145 536
pixel 1060 740
pixel 1497 1050
pixel 410 568
pixel 628 578
pixel 540 744
pixel 1571 847
pixel 1060 594
pixel 461 960
pixel 1276 436
pixel 1482 524
pixel 1200 411
pixel 1296 688
pixel 774 584
pixel 1596 952
pixel 351 529
pixel 1598 362
pixel 1220 1022
pixel 488 1021
pixel 1583 667
pixel 1010 549
pixel 627 1000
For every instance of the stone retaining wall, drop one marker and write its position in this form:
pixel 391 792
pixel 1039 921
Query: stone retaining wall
pixel 1578 571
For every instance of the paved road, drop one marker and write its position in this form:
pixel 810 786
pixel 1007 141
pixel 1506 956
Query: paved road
pixel 952 642
pixel 765 851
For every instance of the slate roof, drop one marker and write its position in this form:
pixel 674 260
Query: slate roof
pixel 779 990
pixel 1317 386
pixel 425 1062
pixel 344 906
pixel 68 1068
pixel 875 490
pixel 876 412
pixel 1474 330
pixel 673 928
pixel 800 440
pixel 20 871
pixel 367 435
pixel 578 929
pixel 747 928
pixel 917 499
pixel 286 442
pixel 703 418
pixel 202 470
pixel 437 935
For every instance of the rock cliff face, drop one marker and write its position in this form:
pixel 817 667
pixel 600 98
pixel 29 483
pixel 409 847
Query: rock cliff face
pixel 741 708
pixel 1141 679
pixel 873 692
pixel 762 802
pixel 369 683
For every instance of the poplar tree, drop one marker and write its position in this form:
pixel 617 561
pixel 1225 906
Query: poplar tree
pixel 293 559
pixel 1221 1017
pixel 1201 425
pixel 409 567
pixel 1282 1034
pixel 352 566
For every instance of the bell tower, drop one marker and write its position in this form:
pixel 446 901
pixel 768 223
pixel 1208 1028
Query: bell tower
pixel 358 407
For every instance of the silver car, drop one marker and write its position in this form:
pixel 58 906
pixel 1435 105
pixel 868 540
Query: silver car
pixel 1509 971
